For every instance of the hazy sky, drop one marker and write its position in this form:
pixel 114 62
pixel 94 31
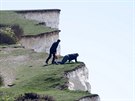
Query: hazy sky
pixel 102 32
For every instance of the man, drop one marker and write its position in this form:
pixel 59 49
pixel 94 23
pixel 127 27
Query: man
pixel 69 58
pixel 53 51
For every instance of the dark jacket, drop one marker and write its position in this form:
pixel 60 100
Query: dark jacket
pixel 69 57
pixel 73 57
pixel 54 47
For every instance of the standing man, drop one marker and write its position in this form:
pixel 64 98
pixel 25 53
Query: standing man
pixel 53 51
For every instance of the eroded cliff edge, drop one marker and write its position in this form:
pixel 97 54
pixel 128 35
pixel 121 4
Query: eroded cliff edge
pixel 78 80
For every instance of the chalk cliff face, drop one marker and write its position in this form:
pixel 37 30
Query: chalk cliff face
pixel 41 42
pixel 78 78
pixel 48 17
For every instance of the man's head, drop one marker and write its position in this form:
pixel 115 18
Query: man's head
pixel 76 54
pixel 58 40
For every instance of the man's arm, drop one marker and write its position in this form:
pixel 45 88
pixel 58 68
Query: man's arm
pixel 76 60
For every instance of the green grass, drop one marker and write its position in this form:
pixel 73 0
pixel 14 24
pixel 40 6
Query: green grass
pixel 29 26
pixel 32 76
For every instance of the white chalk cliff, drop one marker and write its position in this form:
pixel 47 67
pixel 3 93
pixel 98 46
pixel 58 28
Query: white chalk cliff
pixel 42 41
pixel 78 80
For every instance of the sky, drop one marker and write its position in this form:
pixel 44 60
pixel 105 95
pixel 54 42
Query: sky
pixel 102 32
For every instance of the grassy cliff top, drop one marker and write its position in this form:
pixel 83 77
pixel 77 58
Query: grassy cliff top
pixel 38 10
pixel 29 26
pixel 24 68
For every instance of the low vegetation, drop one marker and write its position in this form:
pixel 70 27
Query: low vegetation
pixel 34 97
pixel 10 34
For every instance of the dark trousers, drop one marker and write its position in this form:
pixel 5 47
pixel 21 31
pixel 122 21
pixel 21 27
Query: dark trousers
pixel 50 55
pixel 64 60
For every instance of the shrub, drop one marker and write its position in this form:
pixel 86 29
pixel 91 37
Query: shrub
pixel 3 25
pixel 34 97
pixel 7 36
pixel 10 34
pixel 17 30
pixel 1 80
pixel 6 39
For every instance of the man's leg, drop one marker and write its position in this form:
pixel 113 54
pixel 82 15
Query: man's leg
pixel 48 58
pixel 64 60
pixel 53 60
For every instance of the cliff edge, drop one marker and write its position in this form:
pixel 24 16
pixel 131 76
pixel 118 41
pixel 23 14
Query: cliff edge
pixel 22 71
pixel 78 78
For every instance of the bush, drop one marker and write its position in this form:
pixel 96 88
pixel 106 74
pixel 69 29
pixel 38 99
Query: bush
pixel 3 25
pixel 17 30
pixel 7 36
pixel 10 34
pixel 6 39
pixel 1 80
pixel 34 97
